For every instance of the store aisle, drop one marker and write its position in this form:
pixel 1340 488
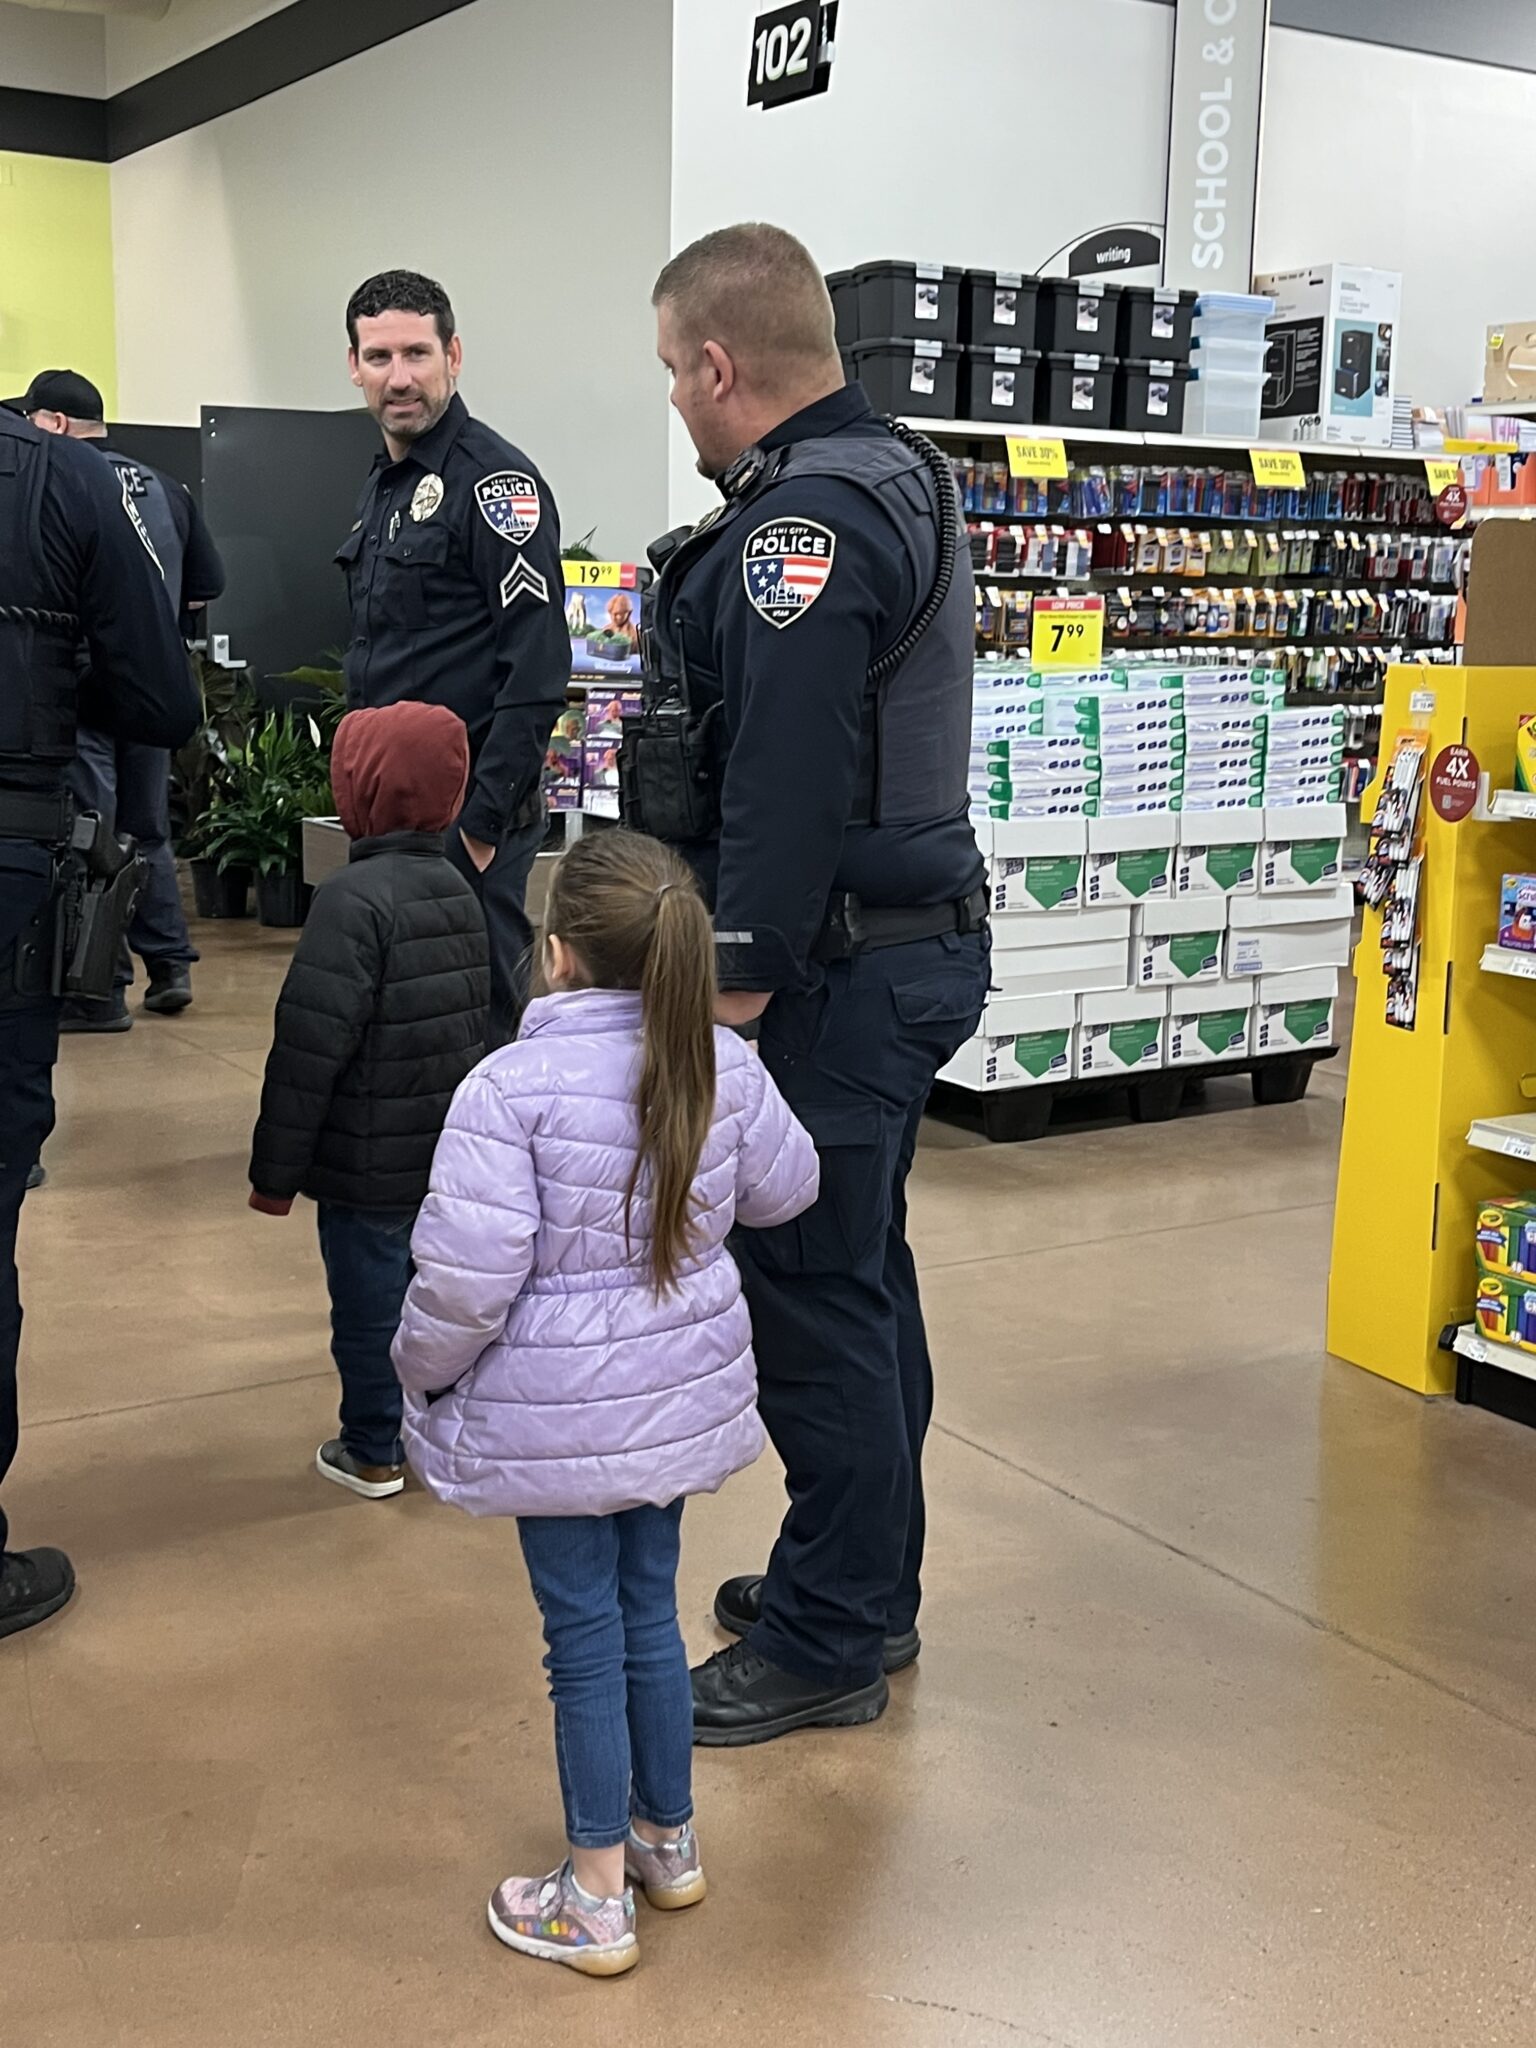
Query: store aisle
pixel 1217 1742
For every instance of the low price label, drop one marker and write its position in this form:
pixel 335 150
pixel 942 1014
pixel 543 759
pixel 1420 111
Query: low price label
pixel 1441 475
pixel 1066 632
pixel 587 575
pixel 1032 457
pixel 1279 467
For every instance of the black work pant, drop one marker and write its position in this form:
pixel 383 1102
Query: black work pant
pixel 503 893
pixel 130 785
pixel 845 1381
pixel 29 1045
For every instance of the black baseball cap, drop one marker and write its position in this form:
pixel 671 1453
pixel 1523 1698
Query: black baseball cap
pixel 64 391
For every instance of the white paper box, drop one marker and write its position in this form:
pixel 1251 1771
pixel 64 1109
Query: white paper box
pixel 1218 852
pixel 1062 970
pixel 1214 1022
pixel 1038 1045
pixel 1281 934
pixel 1016 930
pixel 1303 847
pixel 1130 860
pixel 1037 864
pixel 1295 1011
pixel 1122 1031
pixel 1178 941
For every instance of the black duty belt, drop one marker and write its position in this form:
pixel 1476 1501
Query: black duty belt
pixel 853 927
pixel 35 814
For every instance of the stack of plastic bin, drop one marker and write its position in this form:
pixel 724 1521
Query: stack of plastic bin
pixel 1228 358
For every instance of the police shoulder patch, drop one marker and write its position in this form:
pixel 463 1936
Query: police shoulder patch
pixel 509 505
pixel 785 566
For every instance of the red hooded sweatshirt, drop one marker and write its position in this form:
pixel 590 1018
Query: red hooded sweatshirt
pixel 400 768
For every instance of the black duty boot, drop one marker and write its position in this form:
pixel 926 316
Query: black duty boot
pixel 739 1607
pixel 740 1698
pixel 170 989
pixel 33 1585
pixel 112 1015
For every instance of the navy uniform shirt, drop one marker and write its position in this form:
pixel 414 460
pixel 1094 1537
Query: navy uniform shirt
pixel 454 578
pixel 98 565
pixel 794 702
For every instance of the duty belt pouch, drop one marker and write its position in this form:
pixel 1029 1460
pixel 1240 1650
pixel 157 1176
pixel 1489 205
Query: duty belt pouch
pixel 104 876
pixel 670 772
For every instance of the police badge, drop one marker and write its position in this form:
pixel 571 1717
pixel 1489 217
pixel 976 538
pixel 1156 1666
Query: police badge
pixel 427 497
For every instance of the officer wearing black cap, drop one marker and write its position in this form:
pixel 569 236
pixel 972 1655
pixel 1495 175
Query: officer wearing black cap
pixel 75 564
pixel 127 782
pixel 453 572
pixel 806 741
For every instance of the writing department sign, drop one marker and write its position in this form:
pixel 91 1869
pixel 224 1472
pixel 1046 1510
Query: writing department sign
pixel 1213 143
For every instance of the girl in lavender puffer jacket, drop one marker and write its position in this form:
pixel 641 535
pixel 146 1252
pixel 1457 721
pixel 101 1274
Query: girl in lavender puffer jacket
pixel 576 1351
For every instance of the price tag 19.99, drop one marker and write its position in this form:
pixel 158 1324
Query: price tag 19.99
pixel 1066 632
pixel 596 575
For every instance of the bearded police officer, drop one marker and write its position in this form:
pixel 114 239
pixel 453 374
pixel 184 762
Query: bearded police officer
pixel 806 741
pixel 125 781
pixel 453 572
pixel 75 563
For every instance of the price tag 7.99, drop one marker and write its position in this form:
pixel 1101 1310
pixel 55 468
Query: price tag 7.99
pixel 1066 632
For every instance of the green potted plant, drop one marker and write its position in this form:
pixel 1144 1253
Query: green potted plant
pixel 199 770
pixel 276 780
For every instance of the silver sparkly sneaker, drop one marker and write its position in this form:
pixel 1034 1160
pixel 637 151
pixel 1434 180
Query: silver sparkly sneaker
pixel 548 1918
pixel 669 1873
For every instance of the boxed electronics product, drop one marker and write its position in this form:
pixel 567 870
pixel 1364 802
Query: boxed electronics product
pixel 1022 1043
pixel 1281 934
pixel 1178 941
pixel 1517 913
pixel 1509 367
pixel 1122 1031
pixel 1506 1237
pixel 1218 852
pixel 1331 361
pixel 1303 847
pixel 1130 859
pixel 1037 864
pixel 1210 1022
pixel 1295 1011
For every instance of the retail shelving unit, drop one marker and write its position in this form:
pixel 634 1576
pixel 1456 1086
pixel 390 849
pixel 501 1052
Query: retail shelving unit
pixel 1410 1182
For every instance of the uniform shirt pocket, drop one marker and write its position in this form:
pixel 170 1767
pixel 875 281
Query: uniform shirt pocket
pixel 409 566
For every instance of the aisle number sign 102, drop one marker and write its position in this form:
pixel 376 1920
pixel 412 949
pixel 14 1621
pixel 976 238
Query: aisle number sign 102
pixel 791 53
pixel 1066 632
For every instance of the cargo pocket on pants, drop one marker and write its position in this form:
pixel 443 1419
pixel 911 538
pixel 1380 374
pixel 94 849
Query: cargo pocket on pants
pixel 849 1217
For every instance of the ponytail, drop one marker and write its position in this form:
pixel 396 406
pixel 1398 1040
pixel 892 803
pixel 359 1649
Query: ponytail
pixel 632 913
pixel 676 1096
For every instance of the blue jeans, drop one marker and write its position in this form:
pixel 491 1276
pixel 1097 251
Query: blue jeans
pixel 367 1254
pixel 618 1674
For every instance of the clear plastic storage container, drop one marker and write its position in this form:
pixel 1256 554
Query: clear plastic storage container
pixel 1220 353
pixel 1224 403
pixel 1233 316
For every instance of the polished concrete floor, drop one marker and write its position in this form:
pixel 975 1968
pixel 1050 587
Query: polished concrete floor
pixel 1224 1735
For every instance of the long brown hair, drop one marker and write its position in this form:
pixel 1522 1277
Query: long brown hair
pixel 632 914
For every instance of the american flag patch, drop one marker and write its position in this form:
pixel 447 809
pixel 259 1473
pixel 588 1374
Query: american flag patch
pixel 509 505
pixel 785 566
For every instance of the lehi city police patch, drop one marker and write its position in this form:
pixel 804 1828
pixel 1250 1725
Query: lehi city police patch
pixel 509 505
pixel 785 566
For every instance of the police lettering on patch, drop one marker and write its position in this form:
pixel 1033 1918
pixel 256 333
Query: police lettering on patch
pixel 509 505
pixel 785 566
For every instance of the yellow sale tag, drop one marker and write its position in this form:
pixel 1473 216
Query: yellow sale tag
pixel 1480 447
pixel 1441 474
pixel 1030 457
pixel 1278 466
pixel 585 575
pixel 1066 632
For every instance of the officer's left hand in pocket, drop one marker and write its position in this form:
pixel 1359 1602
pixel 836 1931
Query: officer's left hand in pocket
pixel 480 851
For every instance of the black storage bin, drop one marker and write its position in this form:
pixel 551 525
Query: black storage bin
pixel 914 301
pixel 998 308
pixel 999 384
pixel 1076 390
pixel 914 377
pixel 1150 395
pixel 844 290
pixel 1077 313
pixel 1155 322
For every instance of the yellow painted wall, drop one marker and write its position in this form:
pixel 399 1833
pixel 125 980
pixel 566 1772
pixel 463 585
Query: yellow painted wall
pixel 56 295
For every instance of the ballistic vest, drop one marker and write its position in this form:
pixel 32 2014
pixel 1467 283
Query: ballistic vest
pixel 37 636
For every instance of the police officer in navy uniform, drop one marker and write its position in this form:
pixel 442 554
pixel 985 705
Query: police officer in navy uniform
pixel 812 658
pixel 453 572
pixel 73 564
pixel 127 782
